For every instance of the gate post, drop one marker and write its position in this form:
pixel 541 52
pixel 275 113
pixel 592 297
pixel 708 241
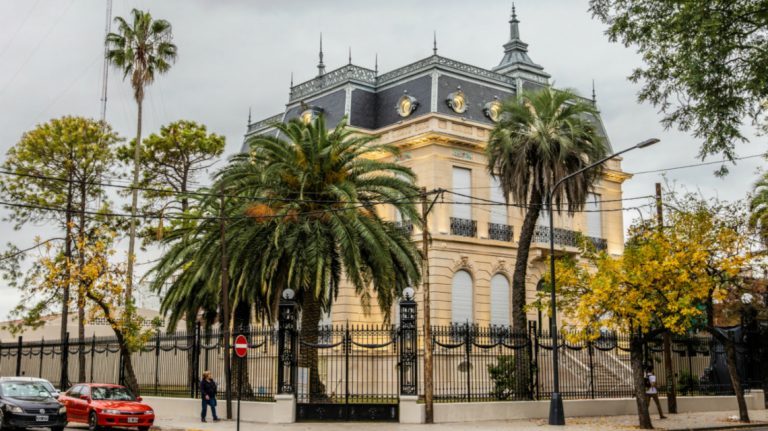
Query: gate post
pixel 64 384
pixel 285 399
pixel 410 409
pixel 409 365
pixel 286 347
pixel 19 346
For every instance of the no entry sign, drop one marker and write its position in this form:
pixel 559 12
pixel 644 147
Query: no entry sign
pixel 241 346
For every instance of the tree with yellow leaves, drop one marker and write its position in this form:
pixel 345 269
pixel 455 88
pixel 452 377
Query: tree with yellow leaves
pixel 103 283
pixel 660 283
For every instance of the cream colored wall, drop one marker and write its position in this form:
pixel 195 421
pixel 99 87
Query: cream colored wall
pixel 432 145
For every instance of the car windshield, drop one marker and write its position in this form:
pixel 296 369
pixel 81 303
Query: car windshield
pixel 113 394
pixel 24 390
pixel 48 386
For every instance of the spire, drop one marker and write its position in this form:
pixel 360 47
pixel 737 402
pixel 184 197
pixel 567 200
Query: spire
pixel 321 65
pixel 594 96
pixel 516 62
pixel 350 55
pixel 291 79
pixel 434 42
pixel 249 116
pixel 376 64
pixel 514 29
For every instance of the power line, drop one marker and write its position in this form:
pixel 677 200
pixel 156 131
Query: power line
pixel 693 165
pixel 484 201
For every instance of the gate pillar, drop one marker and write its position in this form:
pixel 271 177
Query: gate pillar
pixel 286 345
pixel 410 409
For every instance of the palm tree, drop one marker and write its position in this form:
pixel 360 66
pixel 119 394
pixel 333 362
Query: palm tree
pixel 758 208
pixel 304 217
pixel 140 49
pixel 543 136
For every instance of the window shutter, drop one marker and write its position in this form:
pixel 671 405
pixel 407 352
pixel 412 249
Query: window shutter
pixel 462 183
pixel 499 300
pixel 461 298
pixel 498 212
pixel 594 219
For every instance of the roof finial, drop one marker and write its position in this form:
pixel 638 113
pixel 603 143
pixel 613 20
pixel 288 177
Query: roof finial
pixel 291 79
pixel 514 30
pixel 321 66
pixel 434 42
pixel 376 65
pixel 249 116
pixel 350 55
pixel 594 96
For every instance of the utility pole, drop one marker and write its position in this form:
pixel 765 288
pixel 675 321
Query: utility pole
pixel 224 318
pixel 669 374
pixel 428 384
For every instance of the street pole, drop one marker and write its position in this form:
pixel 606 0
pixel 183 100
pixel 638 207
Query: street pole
pixel 428 384
pixel 669 374
pixel 556 414
pixel 239 388
pixel 224 319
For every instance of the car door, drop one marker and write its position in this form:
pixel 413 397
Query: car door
pixel 74 404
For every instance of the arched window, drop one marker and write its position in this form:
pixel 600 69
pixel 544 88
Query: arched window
pixel 461 298
pixel 499 300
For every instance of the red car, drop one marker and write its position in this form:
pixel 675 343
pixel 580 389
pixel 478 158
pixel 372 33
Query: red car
pixel 101 405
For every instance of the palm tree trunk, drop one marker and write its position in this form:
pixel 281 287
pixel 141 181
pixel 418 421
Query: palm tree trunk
pixel 519 319
pixel 134 205
pixel 636 358
pixel 310 319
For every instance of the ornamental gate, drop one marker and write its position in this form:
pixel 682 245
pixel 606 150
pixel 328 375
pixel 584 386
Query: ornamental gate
pixel 348 372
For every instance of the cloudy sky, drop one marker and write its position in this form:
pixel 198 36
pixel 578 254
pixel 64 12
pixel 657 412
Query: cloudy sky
pixel 236 55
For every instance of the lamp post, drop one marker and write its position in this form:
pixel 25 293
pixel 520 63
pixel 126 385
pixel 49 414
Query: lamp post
pixel 556 415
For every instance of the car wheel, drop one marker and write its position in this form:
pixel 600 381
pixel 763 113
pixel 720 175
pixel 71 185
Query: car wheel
pixel 143 428
pixel 57 428
pixel 93 422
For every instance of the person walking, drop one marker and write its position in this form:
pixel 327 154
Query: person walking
pixel 208 396
pixel 651 392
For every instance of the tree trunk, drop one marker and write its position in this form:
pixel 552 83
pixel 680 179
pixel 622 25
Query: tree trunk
pixel 191 320
pixel 134 207
pixel 129 374
pixel 81 288
pixel 308 336
pixel 241 324
pixel 64 381
pixel 636 357
pixel 669 374
pixel 730 358
pixel 519 319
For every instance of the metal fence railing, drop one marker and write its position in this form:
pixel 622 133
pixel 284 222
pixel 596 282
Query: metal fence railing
pixel 376 364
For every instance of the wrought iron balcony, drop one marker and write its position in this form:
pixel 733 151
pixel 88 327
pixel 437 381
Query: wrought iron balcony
pixel 500 232
pixel 406 226
pixel 599 243
pixel 463 227
pixel 564 237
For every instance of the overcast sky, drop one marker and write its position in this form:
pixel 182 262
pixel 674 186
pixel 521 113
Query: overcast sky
pixel 237 54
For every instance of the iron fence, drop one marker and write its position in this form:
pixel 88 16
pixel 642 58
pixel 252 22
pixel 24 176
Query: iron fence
pixel 345 366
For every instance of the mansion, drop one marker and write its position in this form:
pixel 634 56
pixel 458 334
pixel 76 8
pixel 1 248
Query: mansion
pixel 440 113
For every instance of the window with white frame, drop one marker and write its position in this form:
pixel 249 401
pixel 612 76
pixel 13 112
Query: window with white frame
pixel 462 184
pixel 594 216
pixel 461 297
pixel 498 212
pixel 499 300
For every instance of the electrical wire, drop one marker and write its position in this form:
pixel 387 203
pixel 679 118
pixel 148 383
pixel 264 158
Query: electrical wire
pixel 526 206
pixel 694 165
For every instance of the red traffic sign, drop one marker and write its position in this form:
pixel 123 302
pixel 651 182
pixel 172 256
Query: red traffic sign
pixel 241 346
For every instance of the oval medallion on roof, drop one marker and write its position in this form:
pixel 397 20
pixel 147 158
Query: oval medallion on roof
pixel 492 110
pixel 457 101
pixel 406 105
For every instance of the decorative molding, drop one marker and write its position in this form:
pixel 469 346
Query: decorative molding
pixel 500 267
pixel 267 122
pixel 461 154
pixel 462 263
pixel 334 77
pixel 433 98
pixel 348 103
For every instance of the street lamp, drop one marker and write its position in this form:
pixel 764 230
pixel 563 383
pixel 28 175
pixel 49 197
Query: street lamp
pixel 556 415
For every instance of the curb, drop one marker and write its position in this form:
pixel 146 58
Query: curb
pixel 723 427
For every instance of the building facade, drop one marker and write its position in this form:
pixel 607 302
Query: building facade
pixel 440 113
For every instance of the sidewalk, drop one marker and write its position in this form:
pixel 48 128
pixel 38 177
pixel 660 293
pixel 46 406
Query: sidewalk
pixel 685 421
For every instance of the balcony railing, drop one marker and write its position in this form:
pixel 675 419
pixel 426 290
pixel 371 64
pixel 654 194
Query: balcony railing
pixel 500 232
pixel 599 243
pixel 562 236
pixel 463 227
pixel 406 226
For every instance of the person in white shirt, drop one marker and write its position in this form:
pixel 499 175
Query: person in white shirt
pixel 651 392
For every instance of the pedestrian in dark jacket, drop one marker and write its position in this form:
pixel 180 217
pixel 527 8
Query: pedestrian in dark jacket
pixel 208 395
